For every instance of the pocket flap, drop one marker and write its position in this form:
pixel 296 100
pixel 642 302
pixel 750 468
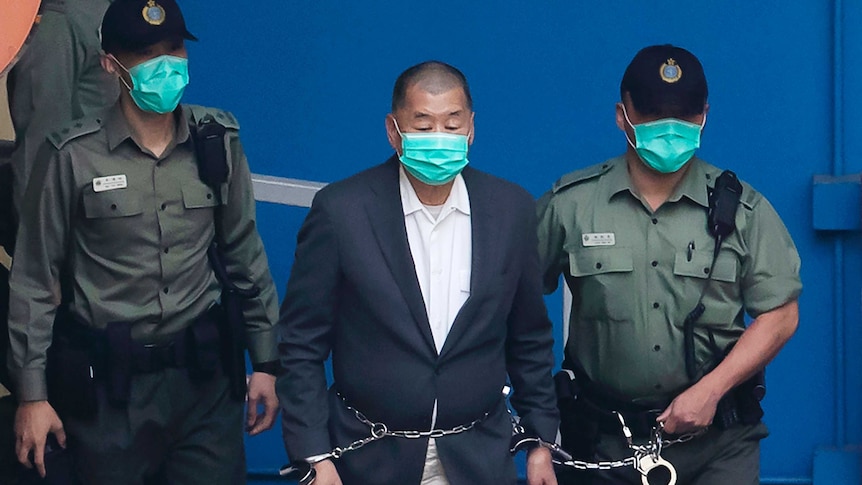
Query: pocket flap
pixel 112 203
pixel 599 260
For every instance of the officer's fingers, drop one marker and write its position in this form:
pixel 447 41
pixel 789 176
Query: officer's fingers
pixel 251 412
pixel 39 459
pixel 22 451
pixel 57 428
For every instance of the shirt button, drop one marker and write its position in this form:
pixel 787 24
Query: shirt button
pixel 209 196
pixel 654 220
pixel 164 206
pixel 655 305
pixel 598 265
pixel 113 207
pixel 165 290
pixel 167 250
pixel 656 347
pixel 654 264
pixel 705 270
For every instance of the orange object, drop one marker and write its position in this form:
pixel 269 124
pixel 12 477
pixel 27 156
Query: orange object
pixel 18 22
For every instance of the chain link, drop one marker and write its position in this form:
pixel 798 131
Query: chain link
pixel 380 430
pixel 653 447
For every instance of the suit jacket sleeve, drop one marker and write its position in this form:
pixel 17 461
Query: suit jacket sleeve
pixel 529 348
pixel 305 328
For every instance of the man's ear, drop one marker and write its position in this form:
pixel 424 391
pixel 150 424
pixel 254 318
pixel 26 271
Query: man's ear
pixel 392 133
pixel 621 117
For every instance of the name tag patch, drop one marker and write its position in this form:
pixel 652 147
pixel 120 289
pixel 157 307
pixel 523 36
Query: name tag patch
pixel 598 239
pixel 111 182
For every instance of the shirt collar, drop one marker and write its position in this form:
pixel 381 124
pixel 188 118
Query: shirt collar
pixel 693 185
pixel 118 130
pixel 458 198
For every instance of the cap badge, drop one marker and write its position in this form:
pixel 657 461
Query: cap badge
pixel 670 72
pixel 153 13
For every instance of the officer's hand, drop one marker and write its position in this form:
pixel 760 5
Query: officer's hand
pixel 325 473
pixel 261 391
pixel 691 411
pixel 33 421
pixel 540 469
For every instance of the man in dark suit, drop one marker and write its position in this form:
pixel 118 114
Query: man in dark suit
pixel 421 277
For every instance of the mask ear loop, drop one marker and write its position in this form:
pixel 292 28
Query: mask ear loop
pixel 630 124
pixel 117 61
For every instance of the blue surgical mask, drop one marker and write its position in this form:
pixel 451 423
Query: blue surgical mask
pixel 159 83
pixel 433 158
pixel 667 144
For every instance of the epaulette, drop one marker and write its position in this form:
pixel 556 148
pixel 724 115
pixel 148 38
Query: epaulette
pixel 73 130
pixel 225 118
pixel 577 176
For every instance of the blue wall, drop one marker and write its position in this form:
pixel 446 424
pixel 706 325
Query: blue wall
pixel 311 82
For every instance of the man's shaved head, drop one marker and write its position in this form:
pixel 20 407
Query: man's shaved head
pixel 433 77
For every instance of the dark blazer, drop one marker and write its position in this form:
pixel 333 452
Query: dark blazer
pixel 353 291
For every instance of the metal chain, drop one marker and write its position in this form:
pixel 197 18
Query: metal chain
pixel 380 430
pixel 653 447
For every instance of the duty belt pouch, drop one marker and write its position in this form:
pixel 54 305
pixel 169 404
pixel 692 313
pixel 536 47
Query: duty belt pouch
pixel 119 368
pixel 579 435
pixel 204 351
pixel 71 378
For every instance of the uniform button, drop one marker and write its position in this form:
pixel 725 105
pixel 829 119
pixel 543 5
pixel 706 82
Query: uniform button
pixel 705 270
pixel 598 265
pixel 164 206
pixel 654 220
pixel 655 305
pixel 113 207
pixel 209 196
pixel 654 264
pixel 165 290
pixel 708 176
pixel 167 250
pixel 656 347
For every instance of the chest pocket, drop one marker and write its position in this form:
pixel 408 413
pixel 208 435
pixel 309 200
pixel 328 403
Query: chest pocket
pixel 721 301
pixel 699 266
pixel 604 276
pixel 198 196
pixel 112 203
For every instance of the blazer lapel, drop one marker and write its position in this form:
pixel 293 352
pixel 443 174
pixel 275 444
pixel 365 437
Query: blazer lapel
pixel 484 233
pixel 387 222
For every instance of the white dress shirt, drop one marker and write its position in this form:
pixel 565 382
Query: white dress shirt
pixel 441 244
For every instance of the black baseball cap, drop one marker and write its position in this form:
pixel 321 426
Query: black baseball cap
pixel 130 25
pixel 665 80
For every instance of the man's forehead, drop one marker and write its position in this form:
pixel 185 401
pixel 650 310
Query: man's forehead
pixel 451 101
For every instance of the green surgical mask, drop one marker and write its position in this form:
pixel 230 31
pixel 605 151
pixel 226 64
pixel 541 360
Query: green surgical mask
pixel 667 144
pixel 159 83
pixel 433 158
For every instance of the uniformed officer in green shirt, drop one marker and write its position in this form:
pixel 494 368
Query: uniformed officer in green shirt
pixel 57 79
pixel 116 223
pixel 631 239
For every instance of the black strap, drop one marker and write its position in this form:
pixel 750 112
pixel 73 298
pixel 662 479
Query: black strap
pixel 721 222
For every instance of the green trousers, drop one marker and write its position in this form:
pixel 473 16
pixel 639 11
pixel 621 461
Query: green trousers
pixel 718 457
pixel 175 430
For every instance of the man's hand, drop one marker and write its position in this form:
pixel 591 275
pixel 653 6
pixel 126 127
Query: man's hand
pixel 326 474
pixel 261 391
pixel 540 469
pixel 691 411
pixel 33 421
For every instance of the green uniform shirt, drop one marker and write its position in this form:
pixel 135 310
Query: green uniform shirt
pixel 635 274
pixel 133 231
pixel 58 78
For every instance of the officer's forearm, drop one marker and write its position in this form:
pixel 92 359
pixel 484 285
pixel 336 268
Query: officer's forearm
pixel 757 346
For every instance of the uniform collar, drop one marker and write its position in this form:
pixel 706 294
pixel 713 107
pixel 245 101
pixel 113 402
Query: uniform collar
pixel 118 130
pixel 693 186
pixel 458 198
